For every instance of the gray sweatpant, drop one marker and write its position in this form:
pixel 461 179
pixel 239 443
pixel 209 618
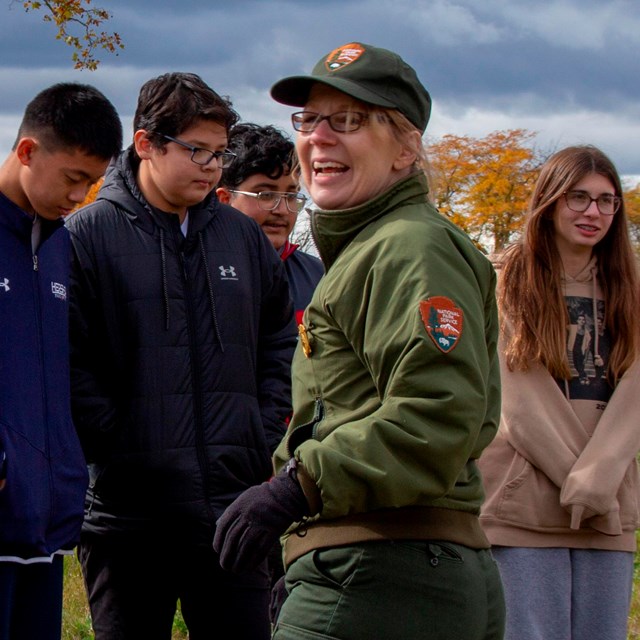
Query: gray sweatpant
pixel 565 594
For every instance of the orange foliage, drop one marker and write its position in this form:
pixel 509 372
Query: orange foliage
pixel 91 195
pixel 632 207
pixel 483 184
pixel 66 14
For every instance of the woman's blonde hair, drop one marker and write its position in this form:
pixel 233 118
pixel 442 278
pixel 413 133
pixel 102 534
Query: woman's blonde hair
pixel 407 134
pixel 530 292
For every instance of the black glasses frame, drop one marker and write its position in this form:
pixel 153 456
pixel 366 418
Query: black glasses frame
pixel 223 158
pixel 308 121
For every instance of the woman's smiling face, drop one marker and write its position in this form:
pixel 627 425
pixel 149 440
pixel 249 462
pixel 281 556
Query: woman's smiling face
pixel 344 170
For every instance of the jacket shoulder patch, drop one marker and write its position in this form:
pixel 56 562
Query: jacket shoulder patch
pixel 443 320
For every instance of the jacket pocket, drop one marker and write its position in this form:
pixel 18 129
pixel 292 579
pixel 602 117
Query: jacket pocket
pixel 531 499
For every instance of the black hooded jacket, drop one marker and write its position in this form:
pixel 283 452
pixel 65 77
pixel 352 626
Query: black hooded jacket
pixel 180 354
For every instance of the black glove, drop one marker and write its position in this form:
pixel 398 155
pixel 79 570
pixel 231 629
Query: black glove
pixel 257 518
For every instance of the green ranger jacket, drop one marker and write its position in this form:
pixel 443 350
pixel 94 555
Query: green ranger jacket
pixel 396 386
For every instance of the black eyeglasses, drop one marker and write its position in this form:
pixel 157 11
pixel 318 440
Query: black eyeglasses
pixel 204 156
pixel 340 121
pixel 580 201
pixel 269 200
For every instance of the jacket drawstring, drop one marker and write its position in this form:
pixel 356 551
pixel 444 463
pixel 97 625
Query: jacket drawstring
pixel 165 289
pixel 596 347
pixel 203 253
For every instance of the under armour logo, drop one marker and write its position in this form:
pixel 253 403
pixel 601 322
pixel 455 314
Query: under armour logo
pixel 227 273
pixel 5 284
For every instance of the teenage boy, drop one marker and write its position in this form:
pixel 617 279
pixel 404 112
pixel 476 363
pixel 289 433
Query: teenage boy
pixel 68 134
pixel 262 182
pixel 181 343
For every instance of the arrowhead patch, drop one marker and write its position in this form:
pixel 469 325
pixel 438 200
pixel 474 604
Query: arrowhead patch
pixel 442 319
pixel 344 55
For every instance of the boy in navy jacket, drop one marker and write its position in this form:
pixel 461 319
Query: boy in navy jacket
pixel 67 137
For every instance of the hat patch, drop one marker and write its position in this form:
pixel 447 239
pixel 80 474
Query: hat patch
pixel 442 319
pixel 344 55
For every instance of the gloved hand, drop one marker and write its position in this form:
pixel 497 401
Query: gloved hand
pixel 252 524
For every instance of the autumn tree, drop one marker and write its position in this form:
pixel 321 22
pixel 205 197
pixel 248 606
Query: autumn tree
pixel 632 207
pixel 302 233
pixel 78 25
pixel 483 184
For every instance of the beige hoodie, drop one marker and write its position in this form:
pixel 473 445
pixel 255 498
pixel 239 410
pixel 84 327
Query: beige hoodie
pixel 562 470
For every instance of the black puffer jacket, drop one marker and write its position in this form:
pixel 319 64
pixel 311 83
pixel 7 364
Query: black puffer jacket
pixel 181 349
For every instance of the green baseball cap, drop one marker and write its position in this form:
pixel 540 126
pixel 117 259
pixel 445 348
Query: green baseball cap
pixel 370 74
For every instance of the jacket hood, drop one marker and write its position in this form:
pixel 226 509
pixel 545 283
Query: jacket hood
pixel 588 274
pixel 121 188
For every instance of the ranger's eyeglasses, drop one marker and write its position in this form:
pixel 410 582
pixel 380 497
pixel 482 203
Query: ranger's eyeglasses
pixel 340 121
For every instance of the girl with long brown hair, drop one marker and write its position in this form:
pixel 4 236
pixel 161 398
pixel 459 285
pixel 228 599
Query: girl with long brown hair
pixel 561 476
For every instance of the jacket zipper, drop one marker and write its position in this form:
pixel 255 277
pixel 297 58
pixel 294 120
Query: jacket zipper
pixel 195 376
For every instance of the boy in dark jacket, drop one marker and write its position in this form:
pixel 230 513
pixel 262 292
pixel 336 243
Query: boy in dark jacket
pixel 182 335
pixel 68 134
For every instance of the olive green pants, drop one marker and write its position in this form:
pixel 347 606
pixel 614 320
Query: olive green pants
pixel 393 590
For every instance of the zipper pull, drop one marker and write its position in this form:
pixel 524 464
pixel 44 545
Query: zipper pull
pixel 35 262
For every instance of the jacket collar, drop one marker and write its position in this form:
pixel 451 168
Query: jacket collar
pixel 121 187
pixel 287 250
pixel 333 230
pixel 21 223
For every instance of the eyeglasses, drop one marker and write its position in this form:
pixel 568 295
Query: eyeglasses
pixel 340 121
pixel 205 156
pixel 269 200
pixel 580 201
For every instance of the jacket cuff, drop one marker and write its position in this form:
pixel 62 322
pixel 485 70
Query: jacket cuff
pixel 310 490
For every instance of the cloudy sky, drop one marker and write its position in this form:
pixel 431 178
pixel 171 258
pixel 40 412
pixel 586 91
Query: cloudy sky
pixel 565 69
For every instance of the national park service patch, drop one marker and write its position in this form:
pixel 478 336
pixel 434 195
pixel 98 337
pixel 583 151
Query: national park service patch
pixel 342 56
pixel 442 319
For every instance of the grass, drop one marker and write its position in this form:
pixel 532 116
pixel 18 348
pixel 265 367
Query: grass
pixel 76 621
pixel 634 614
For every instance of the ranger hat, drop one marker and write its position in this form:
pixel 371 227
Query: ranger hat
pixel 370 74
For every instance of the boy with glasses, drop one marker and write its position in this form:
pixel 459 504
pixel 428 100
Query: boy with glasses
pixel 262 182
pixel 67 136
pixel 182 335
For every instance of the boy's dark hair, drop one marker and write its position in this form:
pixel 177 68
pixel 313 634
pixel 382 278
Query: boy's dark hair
pixel 74 116
pixel 173 102
pixel 265 150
